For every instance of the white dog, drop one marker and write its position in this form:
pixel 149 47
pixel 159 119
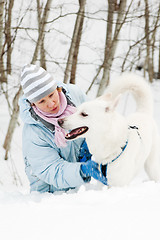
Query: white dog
pixel 123 145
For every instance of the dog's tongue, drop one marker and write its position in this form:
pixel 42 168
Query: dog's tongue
pixel 76 132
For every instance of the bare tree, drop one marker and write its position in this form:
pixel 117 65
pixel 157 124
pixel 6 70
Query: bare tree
pixel 148 62
pixel 41 27
pixel 147 44
pixel 150 33
pixel 75 44
pixel 159 61
pixel 111 40
pixel 112 33
pixel 8 35
pixel 12 123
pixel 15 110
pixel 2 71
pixel 153 46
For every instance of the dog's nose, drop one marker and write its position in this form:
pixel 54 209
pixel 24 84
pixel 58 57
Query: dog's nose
pixel 60 122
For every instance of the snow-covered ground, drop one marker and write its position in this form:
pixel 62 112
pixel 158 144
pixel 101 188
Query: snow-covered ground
pixel 116 213
pixel 127 213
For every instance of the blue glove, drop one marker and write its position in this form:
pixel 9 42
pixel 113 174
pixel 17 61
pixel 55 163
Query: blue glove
pixel 91 169
pixel 84 155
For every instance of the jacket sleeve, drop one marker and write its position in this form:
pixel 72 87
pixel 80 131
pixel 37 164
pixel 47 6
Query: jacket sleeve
pixel 47 164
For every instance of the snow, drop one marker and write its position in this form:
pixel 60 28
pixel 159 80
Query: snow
pixel 116 213
pixel 90 212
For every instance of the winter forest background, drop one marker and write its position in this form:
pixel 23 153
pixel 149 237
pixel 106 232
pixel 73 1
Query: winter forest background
pixel 87 43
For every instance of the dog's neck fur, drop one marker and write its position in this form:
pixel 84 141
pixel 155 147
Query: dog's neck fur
pixel 115 139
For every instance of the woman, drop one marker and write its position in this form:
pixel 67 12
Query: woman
pixel 51 163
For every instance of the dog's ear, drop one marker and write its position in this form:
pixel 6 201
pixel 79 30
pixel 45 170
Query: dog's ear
pixel 115 102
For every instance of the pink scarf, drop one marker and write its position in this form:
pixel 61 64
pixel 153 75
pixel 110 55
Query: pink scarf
pixel 65 110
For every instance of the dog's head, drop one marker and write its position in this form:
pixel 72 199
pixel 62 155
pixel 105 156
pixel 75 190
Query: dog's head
pixel 90 117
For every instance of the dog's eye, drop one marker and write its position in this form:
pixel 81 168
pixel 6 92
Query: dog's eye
pixel 83 114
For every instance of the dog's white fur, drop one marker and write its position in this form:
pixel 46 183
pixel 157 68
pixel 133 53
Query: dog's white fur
pixel 108 131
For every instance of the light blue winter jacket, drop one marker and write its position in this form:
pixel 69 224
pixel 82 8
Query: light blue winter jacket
pixel 49 168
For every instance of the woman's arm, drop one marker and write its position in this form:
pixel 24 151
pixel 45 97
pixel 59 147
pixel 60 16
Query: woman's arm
pixel 47 164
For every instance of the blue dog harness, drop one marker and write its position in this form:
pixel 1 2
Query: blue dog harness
pixel 104 167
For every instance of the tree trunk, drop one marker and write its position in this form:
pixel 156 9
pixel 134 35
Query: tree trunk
pixel 108 48
pixel 1 25
pixel 42 50
pixel 2 72
pixel 12 123
pixel 156 74
pixel 43 55
pixel 74 48
pixel 148 43
pixel 111 40
pixel 75 54
pixel 8 35
pixel 159 61
pixel 41 29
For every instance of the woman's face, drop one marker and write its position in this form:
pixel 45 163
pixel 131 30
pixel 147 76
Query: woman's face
pixel 50 103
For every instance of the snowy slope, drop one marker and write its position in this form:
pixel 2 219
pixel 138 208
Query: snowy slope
pixel 117 213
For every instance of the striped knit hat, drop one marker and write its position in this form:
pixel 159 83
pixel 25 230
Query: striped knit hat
pixel 36 83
